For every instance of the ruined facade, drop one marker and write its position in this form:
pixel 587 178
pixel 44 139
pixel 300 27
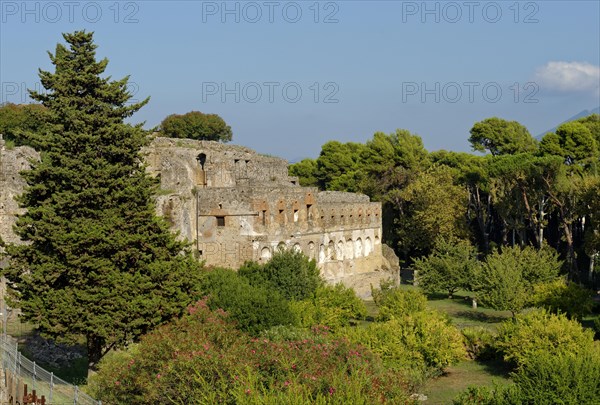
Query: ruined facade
pixel 235 205
pixel 12 162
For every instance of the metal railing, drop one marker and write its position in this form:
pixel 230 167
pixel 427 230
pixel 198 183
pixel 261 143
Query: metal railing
pixel 18 371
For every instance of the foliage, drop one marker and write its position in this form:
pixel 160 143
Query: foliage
pixel 196 125
pixel 506 279
pixel 524 337
pixel 485 396
pixel 307 171
pixel 338 166
pixel 288 333
pixel 479 343
pixel 396 303
pixel 574 142
pixel 450 267
pixel 423 342
pixel 254 308
pixel 22 123
pixel 289 272
pixel 559 296
pixel 433 206
pixel 547 379
pixel 501 137
pixel 563 378
pixel 98 263
pixel 333 306
pixel 202 358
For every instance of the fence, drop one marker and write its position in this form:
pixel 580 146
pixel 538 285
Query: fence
pixel 24 382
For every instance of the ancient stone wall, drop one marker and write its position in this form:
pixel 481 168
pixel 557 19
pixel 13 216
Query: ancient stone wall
pixel 237 205
pixel 234 204
pixel 12 162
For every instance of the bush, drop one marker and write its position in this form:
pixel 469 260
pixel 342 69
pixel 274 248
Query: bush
pixel 563 378
pixel 397 303
pixel 424 341
pixel 202 359
pixel 254 308
pixel 291 273
pixel 479 343
pixel 333 306
pixel 547 379
pixel 505 281
pixel 524 337
pixel 449 267
pixel 558 296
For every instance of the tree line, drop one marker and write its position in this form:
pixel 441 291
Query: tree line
pixel 522 192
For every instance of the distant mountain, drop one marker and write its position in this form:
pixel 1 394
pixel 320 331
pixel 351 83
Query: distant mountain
pixel 582 114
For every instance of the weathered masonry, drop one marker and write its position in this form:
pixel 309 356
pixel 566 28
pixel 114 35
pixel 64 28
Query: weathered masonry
pixel 237 205
pixel 12 162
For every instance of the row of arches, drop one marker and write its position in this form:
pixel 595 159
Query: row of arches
pixel 342 250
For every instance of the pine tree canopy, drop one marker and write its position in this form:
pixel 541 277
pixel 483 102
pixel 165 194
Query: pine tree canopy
pixel 97 262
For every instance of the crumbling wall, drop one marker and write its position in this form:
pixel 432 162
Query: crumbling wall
pixel 12 184
pixel 236 205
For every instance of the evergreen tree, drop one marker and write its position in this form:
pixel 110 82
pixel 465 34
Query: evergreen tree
pixel 97 263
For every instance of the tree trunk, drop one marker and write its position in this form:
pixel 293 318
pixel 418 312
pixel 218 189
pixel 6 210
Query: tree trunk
pixel 591 268
pixel 571 262
pixel 95 347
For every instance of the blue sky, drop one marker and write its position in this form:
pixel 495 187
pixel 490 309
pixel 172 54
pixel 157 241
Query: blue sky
pixel 289 76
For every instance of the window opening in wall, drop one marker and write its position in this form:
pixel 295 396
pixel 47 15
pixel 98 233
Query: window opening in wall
pixel 220 206
pixel 201 159
pixel 296 215
pixel 220 221
pixel 264 217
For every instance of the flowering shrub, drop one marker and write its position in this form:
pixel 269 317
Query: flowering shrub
pixel 202 358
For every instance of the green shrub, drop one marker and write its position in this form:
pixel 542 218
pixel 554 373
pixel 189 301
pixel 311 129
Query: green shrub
pixel 333 306
pixel 424 341
pixel 395 302
pixel 562 378
pixel 546 379
pixel 291 273
pixel 286 333
pixel 498 395
pixel 505 280
pixel 449 267
pixel 254 308
pixel 527 335
pixel 479 343
pixel 558 296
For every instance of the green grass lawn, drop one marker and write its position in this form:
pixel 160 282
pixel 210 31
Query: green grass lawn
pixel 444 389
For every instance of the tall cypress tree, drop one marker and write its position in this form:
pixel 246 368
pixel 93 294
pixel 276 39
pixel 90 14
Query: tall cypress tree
pixel 97 263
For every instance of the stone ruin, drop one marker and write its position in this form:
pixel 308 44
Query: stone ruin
pixel 234 205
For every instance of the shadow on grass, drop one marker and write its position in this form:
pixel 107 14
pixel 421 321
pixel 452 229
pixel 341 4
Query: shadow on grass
pixel 479 316
pixel 496 367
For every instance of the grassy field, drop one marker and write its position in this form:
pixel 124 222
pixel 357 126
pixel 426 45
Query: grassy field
pixel 443 390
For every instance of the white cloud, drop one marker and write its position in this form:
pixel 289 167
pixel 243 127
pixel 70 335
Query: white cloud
pixel 569 77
